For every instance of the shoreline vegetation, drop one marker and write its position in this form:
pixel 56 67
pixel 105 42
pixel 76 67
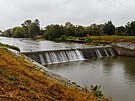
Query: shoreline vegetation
pixel 22 80
pixel 98 40
pixel 9 46
pixel 92 34
pixel 105 40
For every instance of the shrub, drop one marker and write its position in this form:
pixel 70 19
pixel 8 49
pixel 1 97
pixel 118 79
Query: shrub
pixel 63 38
pixel 97 90
pixel 87 40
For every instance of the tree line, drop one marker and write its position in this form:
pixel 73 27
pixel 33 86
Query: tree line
pixel 32 29
pixel 28 29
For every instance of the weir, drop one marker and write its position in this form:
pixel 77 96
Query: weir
pixel 67 55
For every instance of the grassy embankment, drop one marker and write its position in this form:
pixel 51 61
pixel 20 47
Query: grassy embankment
pixel 95 40
pixel 22 81
pixel 9 46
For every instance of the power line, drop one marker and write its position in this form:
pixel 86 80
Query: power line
pixel 118 4
pixel 110 4
pixel 114 5
pixel 124 6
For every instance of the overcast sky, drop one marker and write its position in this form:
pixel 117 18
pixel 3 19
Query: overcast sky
pixel 82 12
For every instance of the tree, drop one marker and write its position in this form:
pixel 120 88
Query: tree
pixel 109 28
pixel 120 30
pixel 130 28
pixel 88 31
pixel 18 32
pixel 79 31
pixel 7 33
pixel 70 29
pixel 37 22
pixel 54 31
pixel 27 22
pixel 33 30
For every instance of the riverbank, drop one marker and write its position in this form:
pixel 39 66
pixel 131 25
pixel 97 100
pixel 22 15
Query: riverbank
pixel 9 46
pixel 96 40
pixel 22 80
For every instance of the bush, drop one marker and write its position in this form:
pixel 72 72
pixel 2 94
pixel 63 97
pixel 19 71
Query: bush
pixel 63 38
pixel 87 40
pixel 97 90
pixel 71 38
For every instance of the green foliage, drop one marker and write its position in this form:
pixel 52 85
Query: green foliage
pixel 87 40
pixel 31 29
pixel 53 32
pixel 14 47
pixel 69 29
pixel 120 30
pixel 18 32
pixel 71 38
pixel 109 28
pixel 28 29
pixel 97 90
pixel 130 28
pixel 9 46
pixel 7 33
pixel 63 38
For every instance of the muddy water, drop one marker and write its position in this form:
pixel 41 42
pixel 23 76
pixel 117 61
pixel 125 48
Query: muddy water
pixel 116 75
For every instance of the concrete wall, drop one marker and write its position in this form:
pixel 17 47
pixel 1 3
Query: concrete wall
pixel 91 52
pixel 122 51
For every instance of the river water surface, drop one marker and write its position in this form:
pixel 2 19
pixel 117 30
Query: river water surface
pixel 28 45
pixel 116 75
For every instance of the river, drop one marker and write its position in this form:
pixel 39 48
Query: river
pixel 28 45
pixel 116 75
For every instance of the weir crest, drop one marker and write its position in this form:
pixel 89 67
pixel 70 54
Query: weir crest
pixel 67 55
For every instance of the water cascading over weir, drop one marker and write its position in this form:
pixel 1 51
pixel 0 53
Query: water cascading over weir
pixel 67 55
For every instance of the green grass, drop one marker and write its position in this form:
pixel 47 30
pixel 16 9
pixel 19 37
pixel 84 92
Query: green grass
pixel 9 46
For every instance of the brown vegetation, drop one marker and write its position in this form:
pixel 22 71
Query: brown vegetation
pixel 22 81
pixel 109 39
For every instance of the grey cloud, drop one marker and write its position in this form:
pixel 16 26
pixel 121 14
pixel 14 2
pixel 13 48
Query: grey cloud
pixel 85 12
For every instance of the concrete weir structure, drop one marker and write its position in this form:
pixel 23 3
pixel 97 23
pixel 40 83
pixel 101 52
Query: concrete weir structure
pixel 124 49
pixel 67 55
